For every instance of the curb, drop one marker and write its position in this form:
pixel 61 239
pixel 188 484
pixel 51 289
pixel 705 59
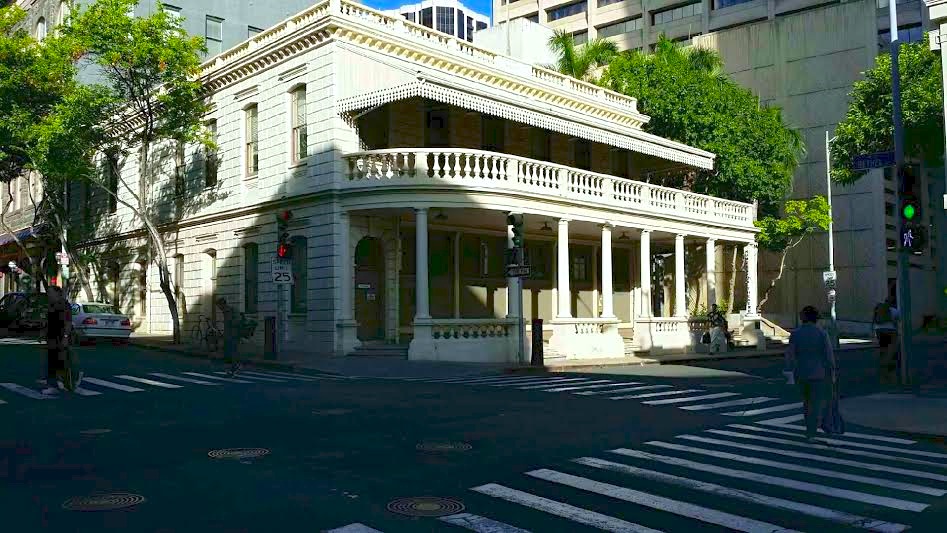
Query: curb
pixel 254 362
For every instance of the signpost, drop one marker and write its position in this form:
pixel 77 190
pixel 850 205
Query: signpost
pixel 517 271
pixel 282 272
pixel 875 160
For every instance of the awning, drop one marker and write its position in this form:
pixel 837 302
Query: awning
pixel 630 139
pixel 22 235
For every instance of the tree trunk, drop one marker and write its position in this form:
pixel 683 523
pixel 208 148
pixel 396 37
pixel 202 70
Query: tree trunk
pixel 733 280
pixel 779 275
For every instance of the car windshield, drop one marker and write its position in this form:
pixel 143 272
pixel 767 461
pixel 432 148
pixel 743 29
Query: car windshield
pixel 97 308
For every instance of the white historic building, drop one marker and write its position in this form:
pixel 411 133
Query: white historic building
pixel 400 152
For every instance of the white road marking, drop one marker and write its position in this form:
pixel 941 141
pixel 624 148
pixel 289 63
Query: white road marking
pixel 489 379
pixel 277 373
pixel 580 387
pixel 834 449
pixel 80 391
pixel 2 402
pixel 775 408
pixel 250 374
pixel 691 398
pixel 803 486
pixel 784 423
pixel 867 480
pixel 185 380
pixel 110 385
pixel 152 382
pixel 29 393
pixel 480 524
pixel 547 385
pixel 781 420
pixel 576 514
pixel 751 497
pixel 815 457
pixel 245 376
pixel 655 394
pixel 848 443
pixel 730 403
pixel 688 510
pixel 549 381
pixel 354 528
pixel 629 389
pixel 208 376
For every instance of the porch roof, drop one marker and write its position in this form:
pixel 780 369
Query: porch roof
pixel 434 89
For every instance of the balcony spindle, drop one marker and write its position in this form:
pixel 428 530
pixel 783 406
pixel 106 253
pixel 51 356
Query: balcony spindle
pixel 468 168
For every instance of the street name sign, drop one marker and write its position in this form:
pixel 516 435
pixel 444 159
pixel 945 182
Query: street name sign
pixel 876 160
pixel 517 271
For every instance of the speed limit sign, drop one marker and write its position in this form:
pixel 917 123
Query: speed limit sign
pixel 282 272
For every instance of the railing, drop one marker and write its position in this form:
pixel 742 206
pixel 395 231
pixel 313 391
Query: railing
pixel 408 167
pixel 398 24
pixel 472 329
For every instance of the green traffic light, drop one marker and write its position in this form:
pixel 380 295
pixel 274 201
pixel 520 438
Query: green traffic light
pixel 909 211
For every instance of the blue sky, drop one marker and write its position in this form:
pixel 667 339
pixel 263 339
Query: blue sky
pixel 480 6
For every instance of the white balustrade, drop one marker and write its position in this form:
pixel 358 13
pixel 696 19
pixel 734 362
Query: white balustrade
pixel 481 169
pixel 472 329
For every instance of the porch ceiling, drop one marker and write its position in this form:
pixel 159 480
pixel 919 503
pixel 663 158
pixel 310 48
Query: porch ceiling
pixel 628 138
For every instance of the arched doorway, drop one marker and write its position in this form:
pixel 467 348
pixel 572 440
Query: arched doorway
pixel 370 289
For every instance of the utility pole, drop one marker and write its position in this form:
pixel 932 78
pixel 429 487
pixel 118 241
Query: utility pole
pixel 833 286
pixel 904 265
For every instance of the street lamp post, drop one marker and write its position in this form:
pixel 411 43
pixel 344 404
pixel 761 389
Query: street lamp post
pixel 832 287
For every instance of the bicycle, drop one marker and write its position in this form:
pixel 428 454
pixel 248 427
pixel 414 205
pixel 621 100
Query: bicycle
pixel 205 332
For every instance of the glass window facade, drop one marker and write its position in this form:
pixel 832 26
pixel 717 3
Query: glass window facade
pixel 445 20
pixel 214 35
pixel 677 13
pixel 720 4
pixel 567 10
pixel 460 24
pixel 427 17
pixel 906 34
pixel 252 154
pixel 580 37
pixel 603 3
pixel 300 147
pixel 620 27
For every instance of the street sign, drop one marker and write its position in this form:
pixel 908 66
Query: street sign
pixel 876 160
pixel 517 271
pixel 62 258
pixel 282 273
pixel 828 278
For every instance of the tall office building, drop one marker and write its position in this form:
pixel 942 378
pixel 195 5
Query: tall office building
pixel 448 16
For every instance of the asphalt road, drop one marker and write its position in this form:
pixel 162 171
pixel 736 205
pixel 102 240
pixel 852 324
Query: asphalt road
pixel 541 452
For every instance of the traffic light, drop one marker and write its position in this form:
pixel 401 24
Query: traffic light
pixel 516 220
pixel 910 209
pixel 284 250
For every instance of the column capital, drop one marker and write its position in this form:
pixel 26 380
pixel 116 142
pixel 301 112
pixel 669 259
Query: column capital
pixel 564 221
pixel 421 209
pixel 680 236
pixel 646 231
pixel 607 225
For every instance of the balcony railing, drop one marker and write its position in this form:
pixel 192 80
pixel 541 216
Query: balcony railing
pixel 477 169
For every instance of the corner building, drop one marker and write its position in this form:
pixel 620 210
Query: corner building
pixel 400 152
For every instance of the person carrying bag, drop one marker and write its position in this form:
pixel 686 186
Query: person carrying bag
pixel 811 361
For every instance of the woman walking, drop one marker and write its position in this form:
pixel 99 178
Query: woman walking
pixel 811 360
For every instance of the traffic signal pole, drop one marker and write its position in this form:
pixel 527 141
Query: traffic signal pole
pixel 904 265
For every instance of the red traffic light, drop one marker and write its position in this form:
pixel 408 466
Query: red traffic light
pixel 285 216
pixel 284 251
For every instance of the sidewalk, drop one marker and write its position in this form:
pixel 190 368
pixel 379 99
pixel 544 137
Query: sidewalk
pixel 249 353
pixel 922 414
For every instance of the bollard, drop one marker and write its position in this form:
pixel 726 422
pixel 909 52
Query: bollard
pixel 537 358
pixel 269 337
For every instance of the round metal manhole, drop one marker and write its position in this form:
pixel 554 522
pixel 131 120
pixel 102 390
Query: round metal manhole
pixel 95 431
pixel 238 453
pixel 103 502
pixel 428 506
pixel 443 446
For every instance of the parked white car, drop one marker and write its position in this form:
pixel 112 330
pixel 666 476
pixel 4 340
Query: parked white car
pixel 98 321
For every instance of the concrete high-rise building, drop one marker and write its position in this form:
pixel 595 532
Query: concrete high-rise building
pixel 448 16
pixel 803 56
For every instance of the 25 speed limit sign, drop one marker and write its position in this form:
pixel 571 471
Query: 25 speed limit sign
pixel 282 273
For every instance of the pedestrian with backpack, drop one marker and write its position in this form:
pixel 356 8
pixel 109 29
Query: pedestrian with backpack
pixel 884 322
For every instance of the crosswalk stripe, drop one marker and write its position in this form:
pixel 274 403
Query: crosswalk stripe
pixel 580 387
pixel 784 423
pixel 178 378
pixel 775 408
pixel 277 373
pixel 730 403
pixel 570 512
pixel 491 379
pixel 29 393
pixel 480 524
pixel 2 402
pixel 688 510
pixel 110 385
pixel 629 389
pixel 80 391
pixel 549 381
pixel 353 528
pixel 691 398
pixel 546 385
pixel 867 480
pixel 803 486
pixel 815 457
pixel 208 376
pixel 834 449
pixel 252 378
pixel 511 382
pixel 152 382
pixel 751 497
pixel 655 394
pixel 867 446
pixel 291 378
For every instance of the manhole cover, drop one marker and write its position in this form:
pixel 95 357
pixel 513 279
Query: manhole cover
pixel 103 502
pixel 95 431
pixel 443 446
pixel 426 506
pixel 238 453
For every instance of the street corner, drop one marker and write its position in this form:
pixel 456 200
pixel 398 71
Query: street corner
pixel 923 416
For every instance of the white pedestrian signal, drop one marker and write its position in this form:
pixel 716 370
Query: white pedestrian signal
pixel 907 238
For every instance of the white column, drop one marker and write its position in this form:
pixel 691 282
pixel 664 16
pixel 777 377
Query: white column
pixel 751 278
pixel 594 282
pixel 632 296
pixel 565 295
pixel 608 307
pixel 348 270
pixel 422 308
pixel 512 284
pixel 680 309
pixel 645 273
pixel 711 278
pixel 457 236
pixel 554 294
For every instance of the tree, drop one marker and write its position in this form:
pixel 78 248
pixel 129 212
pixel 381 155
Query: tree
pixel 150 94
pixel 868 127
pixel 780 235
pixel 580 61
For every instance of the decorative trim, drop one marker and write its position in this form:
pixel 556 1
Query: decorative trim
pixel 292 73
pixel 205 237
pixel 249 92
pixel 246 232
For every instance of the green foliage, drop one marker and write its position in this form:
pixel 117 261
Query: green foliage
pixel 580 61
pixel 690 101
pixel 801 217
pixel 868 126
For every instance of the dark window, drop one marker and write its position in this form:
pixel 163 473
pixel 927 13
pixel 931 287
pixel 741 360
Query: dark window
pixel 620 27
pixel 214 35
pixel 470 29
pixel 567 10
pixel 300 144
pixel 210 156
pixel 533 18
pixel 437 126
pixel 580 37
pixel 410 16
pixel 619 163
pixel 492 134
pixel 911 33
pixel 427 17
pixel 300 266
pixel 603 3
pixel 251 270
pixel 481 26
pixel 373 128
pixel 583 154
pixel 539 144
pixel 580 267
pixel 676 13
pixel 252 154
pixel 445 20
pixel 111 176
pixel 460 24
pixel 720 4
pixel 180 169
